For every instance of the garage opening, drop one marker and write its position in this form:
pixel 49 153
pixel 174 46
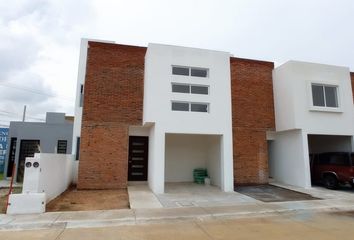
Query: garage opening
pixel 329 156
pixel 186 152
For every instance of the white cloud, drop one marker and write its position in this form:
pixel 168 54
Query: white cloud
pixel 40 39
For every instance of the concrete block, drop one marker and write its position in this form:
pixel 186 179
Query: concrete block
pixel 26 203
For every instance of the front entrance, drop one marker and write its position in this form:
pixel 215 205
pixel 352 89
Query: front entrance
pixel 138 158
pixel 27 149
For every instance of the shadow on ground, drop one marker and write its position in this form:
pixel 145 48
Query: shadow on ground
pixel 269 193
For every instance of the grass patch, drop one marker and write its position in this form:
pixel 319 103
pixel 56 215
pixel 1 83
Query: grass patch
pixel 1 176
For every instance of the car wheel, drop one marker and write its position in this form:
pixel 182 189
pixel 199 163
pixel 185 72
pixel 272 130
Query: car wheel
pixel 352 184
pixel 330 181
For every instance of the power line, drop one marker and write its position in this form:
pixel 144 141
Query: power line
pixel 3 113
pixel 35 91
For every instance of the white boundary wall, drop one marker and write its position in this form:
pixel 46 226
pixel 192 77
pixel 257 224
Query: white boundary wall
pixel 42 184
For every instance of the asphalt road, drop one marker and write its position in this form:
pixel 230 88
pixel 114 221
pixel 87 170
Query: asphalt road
pixel 301 225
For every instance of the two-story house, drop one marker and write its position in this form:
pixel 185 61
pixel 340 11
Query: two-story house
pixel 154 114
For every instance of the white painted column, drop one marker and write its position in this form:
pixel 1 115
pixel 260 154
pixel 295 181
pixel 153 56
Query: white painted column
pixel 306 159
pixel 227 173
pixel 290 158
pixel 156 165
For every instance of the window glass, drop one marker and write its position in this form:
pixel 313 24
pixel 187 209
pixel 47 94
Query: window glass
pixel 180 88
pixel 318 96
pixel 323 159
pixel 77 148
pixel 340 159
pixel 197 72
pixel 61 147
pixel 180 71
pixel 200 90
pixel 179 106
pixel 81 95
pixel 199 107
pixel 331 96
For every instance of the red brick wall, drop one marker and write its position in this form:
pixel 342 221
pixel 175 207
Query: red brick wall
pixel 352 78
pixel 252 116
pixel 113 100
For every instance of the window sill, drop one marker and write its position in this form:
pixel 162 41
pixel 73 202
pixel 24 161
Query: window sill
pixel 325 109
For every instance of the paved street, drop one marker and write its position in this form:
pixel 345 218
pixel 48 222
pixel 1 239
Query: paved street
pixel 302 225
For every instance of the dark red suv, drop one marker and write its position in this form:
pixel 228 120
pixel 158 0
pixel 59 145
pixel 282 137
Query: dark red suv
pixel 332 168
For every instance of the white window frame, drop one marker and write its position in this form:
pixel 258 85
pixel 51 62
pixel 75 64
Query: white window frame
pixel 190 106
pixel 190 71
pixel 190 88
pixel 325 108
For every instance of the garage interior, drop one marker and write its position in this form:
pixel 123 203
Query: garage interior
pixel 186 152
pixel 328 143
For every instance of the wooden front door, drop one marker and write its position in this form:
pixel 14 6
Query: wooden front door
pixel 138 158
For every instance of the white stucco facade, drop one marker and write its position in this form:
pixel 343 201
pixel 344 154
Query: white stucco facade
pixel 80 81
pixel 297 118
pixel 216 123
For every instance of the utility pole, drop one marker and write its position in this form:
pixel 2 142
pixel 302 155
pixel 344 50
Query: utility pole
pixel 24 113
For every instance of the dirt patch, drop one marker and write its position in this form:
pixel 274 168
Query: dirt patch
pixel 269 193
pixel 84 200
pixel 3 197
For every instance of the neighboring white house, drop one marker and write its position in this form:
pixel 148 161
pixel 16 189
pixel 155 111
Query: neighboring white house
pixel 313 113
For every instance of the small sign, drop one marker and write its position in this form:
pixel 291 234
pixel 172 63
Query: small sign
pixel 4 134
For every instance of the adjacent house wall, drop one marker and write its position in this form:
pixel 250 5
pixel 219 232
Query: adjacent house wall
pixel 293 99
pixel 252 116
pixel 80 81
pixel 113 100
pixel 329 129
pixel 48 133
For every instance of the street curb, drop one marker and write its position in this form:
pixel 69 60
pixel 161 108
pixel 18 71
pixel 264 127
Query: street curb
pixel 126 221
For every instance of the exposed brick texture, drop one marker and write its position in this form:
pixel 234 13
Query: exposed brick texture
pixel 252 116
pixel 113 100
pixel 352 78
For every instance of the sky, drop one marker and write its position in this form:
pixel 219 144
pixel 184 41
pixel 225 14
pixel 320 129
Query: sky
pixel 40 39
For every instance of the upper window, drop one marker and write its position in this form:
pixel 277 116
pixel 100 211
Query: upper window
pixel 188 88
pixel 199 72
pixel 324 95
pixel 190 71
pixel 180 88
pixel 189 106
pixel 180 71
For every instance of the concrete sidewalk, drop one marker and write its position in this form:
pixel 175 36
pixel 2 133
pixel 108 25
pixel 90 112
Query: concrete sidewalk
pixel 154 212
pixel 86 219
